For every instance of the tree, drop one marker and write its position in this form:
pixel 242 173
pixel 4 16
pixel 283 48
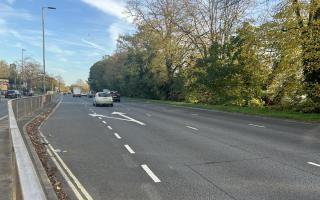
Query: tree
pixel 206 51
pixel 156 21
pixel 4 69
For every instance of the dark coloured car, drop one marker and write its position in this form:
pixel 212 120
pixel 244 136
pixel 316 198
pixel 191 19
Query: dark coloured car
pixel 115 96
pixel 90 94
pixel 3 92
pixel 28 93
pixel 11 94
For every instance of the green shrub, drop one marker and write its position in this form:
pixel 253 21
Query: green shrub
pixel 255 103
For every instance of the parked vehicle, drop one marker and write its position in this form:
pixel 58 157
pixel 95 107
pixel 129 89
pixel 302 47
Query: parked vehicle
pixel 115 96
pixel 102 98
pixel 83 94
pixel 3 92
pixel 76 92
pixel 11 94
pixel 106 90
pixel 28 93
pixel 90 94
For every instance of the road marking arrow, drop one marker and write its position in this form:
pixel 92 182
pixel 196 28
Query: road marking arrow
pixel 125 118
pixel 129 118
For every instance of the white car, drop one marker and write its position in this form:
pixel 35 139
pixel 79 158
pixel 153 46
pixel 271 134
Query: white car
pixel 102 98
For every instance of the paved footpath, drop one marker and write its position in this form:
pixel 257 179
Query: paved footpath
pixel 5 161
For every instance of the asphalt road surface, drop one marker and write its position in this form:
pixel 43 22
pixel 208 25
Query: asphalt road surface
pixel 3 107
pixel 138 150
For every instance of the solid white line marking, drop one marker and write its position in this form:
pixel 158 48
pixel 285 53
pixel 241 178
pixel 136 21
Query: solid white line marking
pixel 260 126
pixel 1 118
pixel 192 128
pixel 315 164
pixel 117 135
pixel 104 122
pixel 150 173
pixel 129 149
pixel 99 117
pixel 69 182
pixel 77 182
pixel 109 127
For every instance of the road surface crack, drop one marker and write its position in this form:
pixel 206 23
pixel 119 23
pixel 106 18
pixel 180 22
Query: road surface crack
pixel 209 181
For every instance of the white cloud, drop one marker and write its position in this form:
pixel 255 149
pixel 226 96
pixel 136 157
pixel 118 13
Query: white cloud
pixel 119 28
pixel 70 42
pixel 11 1
pixel 7 11
pixel 115 8
pixel 94 45
pixel 63 59
pixel 59 51
pixel 58 70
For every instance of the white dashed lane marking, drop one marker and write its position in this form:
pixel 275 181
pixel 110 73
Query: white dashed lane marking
pixel 129 149
pixel 1 118
pixel 150 173
pixel 117 136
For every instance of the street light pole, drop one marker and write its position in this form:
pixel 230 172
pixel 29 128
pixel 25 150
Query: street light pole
pixel 22 67
pixel 43 49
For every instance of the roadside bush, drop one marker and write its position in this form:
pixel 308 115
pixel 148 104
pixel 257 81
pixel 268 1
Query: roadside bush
pixel 255 102
pixel 308 106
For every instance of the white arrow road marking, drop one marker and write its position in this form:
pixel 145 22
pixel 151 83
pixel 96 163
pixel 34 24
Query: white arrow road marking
pixel 256 125
pixel 192 128
pixel 126 118
pixel 96 115
pixel 129 118
pixel 315 164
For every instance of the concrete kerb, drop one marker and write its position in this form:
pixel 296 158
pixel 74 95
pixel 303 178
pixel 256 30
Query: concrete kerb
pixel 27 185
pixel 50 193
pixel 51 113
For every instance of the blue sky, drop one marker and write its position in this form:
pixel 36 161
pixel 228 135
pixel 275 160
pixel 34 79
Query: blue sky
pixel 78 33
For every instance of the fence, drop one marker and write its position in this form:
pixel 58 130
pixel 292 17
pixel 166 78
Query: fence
pixel 27 184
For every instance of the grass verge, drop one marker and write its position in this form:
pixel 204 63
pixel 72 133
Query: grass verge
pixel 263 111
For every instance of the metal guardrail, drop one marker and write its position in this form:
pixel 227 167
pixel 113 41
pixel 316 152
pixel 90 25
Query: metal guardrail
pixel 27 184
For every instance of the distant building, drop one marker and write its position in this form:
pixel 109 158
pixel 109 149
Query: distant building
pixel 4 84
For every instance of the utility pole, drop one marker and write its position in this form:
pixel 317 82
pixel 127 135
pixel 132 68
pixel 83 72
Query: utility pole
pixel 43 49
pixel 22 67
pixel 59 86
